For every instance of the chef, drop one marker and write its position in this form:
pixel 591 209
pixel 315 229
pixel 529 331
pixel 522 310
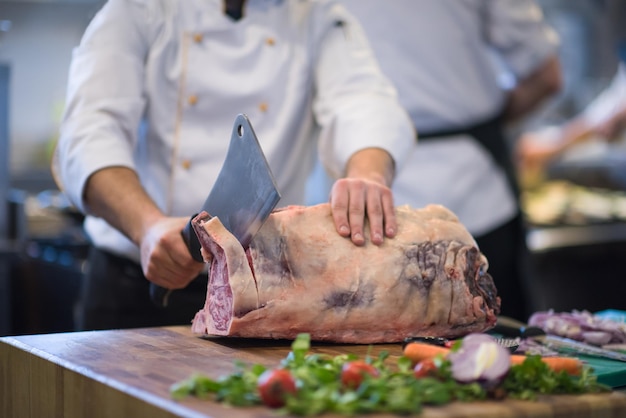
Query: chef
pixel 154 87
pixel 604 119
pixel 440 55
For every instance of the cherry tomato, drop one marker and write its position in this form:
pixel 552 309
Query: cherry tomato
pixel 449 343
pixel 274 385
pixel 352 373
pixel 425 368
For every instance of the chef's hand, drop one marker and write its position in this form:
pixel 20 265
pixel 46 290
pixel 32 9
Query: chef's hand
pixel 535 150
pixel 116 195
pixel 165 259
pixel 351 200
pixel 364 192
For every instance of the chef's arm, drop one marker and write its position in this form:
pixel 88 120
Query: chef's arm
pixel 573 132
pixel 604 117
pixel 365 192
pixel 116 195
pixel 372 163
pixel 533 90
pixel 535 150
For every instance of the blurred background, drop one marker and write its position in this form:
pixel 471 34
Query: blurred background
pixel 576 208
pixel 42 247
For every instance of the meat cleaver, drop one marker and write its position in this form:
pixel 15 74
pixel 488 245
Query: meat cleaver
pixel 242 197
pixel 513 328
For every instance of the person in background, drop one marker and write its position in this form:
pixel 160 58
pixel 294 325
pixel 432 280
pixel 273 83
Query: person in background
pixel 182 71
pixel 445 58
pixel 604 118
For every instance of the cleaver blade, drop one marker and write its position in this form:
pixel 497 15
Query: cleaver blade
pixel 243 196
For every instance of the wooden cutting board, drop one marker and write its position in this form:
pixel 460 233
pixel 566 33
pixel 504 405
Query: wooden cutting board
pixel 127 373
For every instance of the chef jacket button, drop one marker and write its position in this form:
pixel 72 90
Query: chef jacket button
pixel 270 41
pixel 197 38
pixel 263 107
pixel 193 99
pixel 186 164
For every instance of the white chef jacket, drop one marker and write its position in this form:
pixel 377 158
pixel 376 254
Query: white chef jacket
pixel 609 101
pixel 186 70
pixel 442 55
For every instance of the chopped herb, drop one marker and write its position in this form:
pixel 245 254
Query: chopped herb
pixel 395 389
pixel 533 377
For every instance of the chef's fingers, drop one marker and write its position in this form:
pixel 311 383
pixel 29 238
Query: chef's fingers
pixel 389 213
pixel 165 259
pixel 160 271
pixel 356 210
pixel 339 207
pixel 347 203
pixel 375 213
pixel 183 267
pixel 171 268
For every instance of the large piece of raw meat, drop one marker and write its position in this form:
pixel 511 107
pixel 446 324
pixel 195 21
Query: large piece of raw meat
pixel 300 275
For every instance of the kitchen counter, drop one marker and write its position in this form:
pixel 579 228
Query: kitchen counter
pixel 127 373
pixel 545 239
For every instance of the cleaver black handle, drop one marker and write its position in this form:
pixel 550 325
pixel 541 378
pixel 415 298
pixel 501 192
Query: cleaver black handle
pixel 160 295
pixel 511 327
pixel 191 239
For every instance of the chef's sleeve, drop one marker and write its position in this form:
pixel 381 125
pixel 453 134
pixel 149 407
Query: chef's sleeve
pixel 611 100
pixel 355 105
pixel 104 101
pixel 520 35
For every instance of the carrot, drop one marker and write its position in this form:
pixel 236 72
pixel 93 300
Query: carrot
pixel 417 352
pixel 570 365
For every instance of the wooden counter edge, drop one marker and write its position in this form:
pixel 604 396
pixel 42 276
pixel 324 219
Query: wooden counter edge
pixel 37 383
pixel 73 391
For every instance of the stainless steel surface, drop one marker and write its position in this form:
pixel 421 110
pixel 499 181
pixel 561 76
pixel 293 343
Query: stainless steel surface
pixel 569 346
pixel 513 328
pixel 509 343
pixel 545 239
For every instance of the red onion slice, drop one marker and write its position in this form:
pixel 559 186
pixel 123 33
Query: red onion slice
pixel 479 358
pixel 580 325
pixel 598 338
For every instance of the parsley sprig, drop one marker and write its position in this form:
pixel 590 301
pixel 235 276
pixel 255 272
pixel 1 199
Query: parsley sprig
pixel 394 390
pixel 533 377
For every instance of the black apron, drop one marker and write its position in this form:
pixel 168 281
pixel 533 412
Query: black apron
pixel 490 134
pixel 115 294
